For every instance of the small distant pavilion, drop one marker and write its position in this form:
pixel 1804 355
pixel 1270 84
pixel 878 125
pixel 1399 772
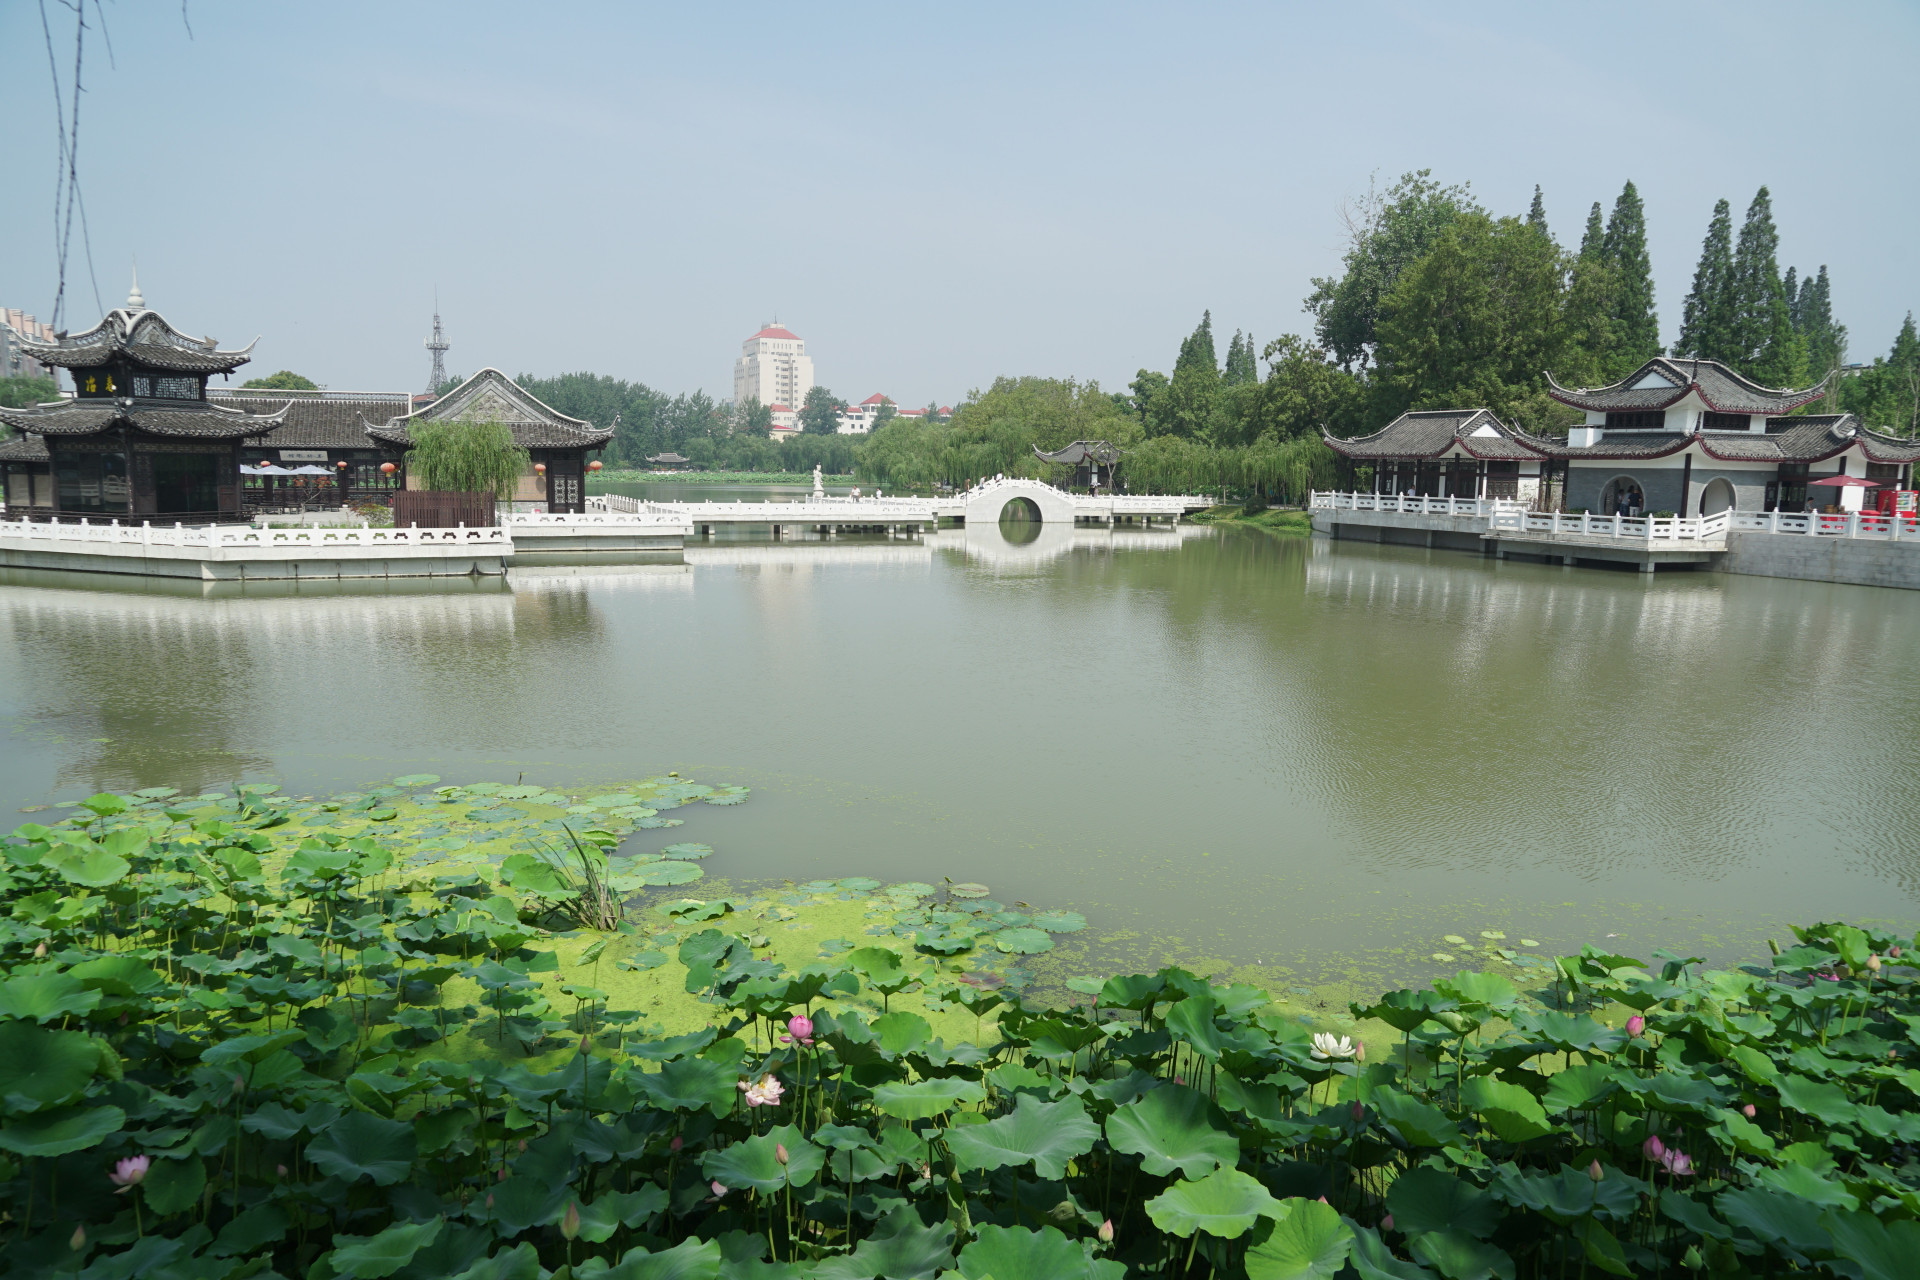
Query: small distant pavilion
pixel 1447 453
pixel 667 460
pixel 556 444
pixel 1094 463
pixel 139 438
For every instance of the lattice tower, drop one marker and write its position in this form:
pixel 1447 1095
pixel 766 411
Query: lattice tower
pixel 437 344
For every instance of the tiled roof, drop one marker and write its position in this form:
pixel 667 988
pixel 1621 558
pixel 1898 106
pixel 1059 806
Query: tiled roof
pixel 1101 451
pixel 775 331
pixel 328 420
pixel 1723 390
pixel 196 419
pixel 1429 433
pixel 1812 438
pixel 491 396
pixel 143 337
pixel 26 448
pixel 875 398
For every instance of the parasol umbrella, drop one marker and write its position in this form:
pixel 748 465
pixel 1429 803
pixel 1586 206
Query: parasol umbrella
pixel 268 470
pixel 311 471
pixel 1850 482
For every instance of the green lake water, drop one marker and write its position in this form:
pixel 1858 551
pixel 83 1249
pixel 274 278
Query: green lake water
pixel 1221 745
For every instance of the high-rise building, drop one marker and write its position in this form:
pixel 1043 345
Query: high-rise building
pixel 14 360
pixel 773 368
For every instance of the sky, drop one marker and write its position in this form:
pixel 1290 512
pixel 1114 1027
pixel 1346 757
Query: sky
pixel 932 196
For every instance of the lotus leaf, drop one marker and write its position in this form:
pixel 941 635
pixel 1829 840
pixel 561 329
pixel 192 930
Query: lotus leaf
pixel 1225 1203
pixel 898 1033
pixel 1044 1134
pixel 43 997
pixel 1174 1128
pixel 1024 942
pixel 42 1068
pixel 1311 1239
pixel 1192 1021
pixel 1479 990
pixel 1569 1194
pixel 1059 921
pixel 1442 956
pixel 251 1230
pixel 755 1161
pixel 1882 1250
pixel 522 1262
pixel 1808 1186
pixel 911 889
pixel 91 867
pixel 1419 1123
pixel 1424 1199
pixel 1015 1253
pixel 383 1254
pixel 668 873
pixel 361 1145
pixel 688 852
pixel 1581 1087
pixel 924 1099
pixel 1458 1256
pixel 172 1186
pixel 876 963
pixel 858 884
pixel 688 1084
pixel 968 889
pixel 900 1248
pixel 55 1133
pixel 1510 1110
pixel 1374 1261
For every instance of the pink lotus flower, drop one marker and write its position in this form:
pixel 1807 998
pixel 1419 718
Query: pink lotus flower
pixel 1749 1111
pixel 1893 953
pixel 765 1093
pixel 799 1031
pixel 1386 1223
pixel 1653 1148
pixel 719 1189
pixel 1676 1162
pixel 1636 1025
pixel 129 1173
pixel 676 1144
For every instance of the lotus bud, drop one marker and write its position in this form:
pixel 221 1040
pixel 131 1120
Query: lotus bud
pixel 676 1144
pixel 1359 1051
pixel 523 1146
pixel 1873 964
pixel 780 1152
pixel 239 1085
pixel 1323 1200
pixel 1893 953
pixel 1386 1223
pixel 719 1188
pixel 1359 1112
pixel 79 1240
pixel 570 1225
pixel 1653 1148
pixel 1749 1111
pixel 489 1199
pixel 1595 1172
pixel 40 952
pixel 280 1170
pixel 502 1177
pixel 1636 1025
pixel 584 1044
pixel 1105 1232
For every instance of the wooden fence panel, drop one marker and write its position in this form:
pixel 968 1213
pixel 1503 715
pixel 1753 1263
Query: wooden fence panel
pixel 442 509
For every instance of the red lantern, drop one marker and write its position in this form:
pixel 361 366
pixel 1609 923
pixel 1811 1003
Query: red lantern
pixel 341 465
pixel 266 464
pixel 539 468
pixel 594 465
pixel 387 468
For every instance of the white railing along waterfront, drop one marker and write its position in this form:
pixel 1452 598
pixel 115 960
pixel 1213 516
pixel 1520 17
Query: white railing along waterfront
pixel 318 538
pixel 587 520
pixel 1411 504
pixel 1621 528
pixel 1507 516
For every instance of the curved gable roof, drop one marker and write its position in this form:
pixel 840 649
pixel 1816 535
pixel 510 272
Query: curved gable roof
pixel 143 337
pixel 1666 380
pixel 491 396
pixel 1429 433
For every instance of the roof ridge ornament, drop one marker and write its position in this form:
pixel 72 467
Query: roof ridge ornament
pixel 135 300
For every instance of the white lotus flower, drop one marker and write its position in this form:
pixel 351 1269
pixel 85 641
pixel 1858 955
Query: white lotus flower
pixel 1326 1045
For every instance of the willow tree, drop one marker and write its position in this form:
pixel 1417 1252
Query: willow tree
pixel 467 457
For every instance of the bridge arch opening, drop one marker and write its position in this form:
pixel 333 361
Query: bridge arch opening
pixel 1019 511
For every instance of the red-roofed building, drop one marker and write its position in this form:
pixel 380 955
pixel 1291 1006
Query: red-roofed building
pixel 785 418
pixel 773 368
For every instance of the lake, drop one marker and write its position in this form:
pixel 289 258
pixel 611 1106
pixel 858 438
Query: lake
pixel 1246 751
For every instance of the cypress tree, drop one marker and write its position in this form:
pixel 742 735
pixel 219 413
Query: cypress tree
pixel 1763 341
pixel 1537 215
pixel 1196 381
pixel 1593 240
pixel 1240 364
pixel 1704 319
pixel 1636 323
pixel 1798 291
pixel 1813 319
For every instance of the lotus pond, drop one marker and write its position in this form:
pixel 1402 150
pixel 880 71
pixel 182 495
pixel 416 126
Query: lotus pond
pixel 502 1032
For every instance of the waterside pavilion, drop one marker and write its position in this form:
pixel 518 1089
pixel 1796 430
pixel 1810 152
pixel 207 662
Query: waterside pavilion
pixel 556 444
pixel 1093 463
pixel 139 439
pixel 1448 453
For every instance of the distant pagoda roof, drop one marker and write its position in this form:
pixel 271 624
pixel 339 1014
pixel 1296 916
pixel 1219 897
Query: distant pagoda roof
pixel 1811 438
pixel 668 459
pixel 491 396
pixel 1429 433
pixel 317 419
pixel 1666 380
pixel 135 335
pixel 1103 452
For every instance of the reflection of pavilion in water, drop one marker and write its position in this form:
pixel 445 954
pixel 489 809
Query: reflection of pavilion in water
pixel 162 687
pixel 1016 546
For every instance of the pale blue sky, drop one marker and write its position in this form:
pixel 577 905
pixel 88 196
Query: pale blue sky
pixel 929 195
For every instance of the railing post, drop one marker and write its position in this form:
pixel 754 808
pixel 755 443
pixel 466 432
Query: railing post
pixel 1853 524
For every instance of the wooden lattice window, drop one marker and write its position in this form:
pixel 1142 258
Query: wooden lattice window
pixel 1638 420
pixel 1725 422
